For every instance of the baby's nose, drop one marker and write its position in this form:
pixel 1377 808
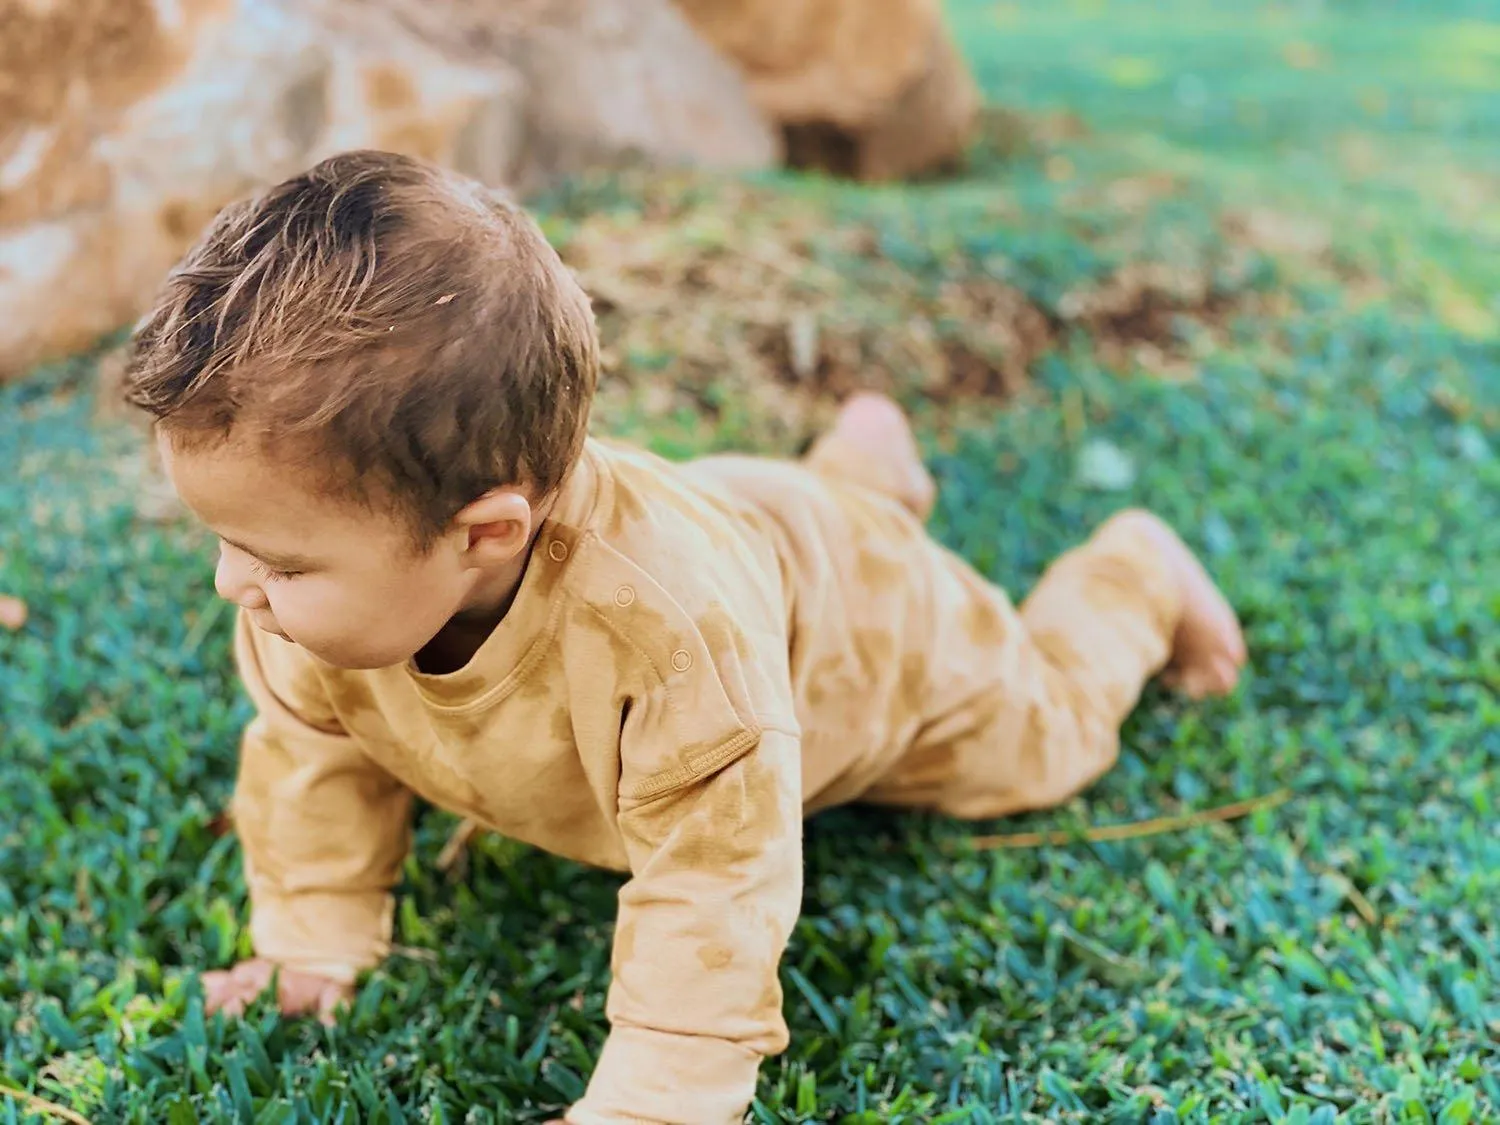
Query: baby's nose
pixel 235 585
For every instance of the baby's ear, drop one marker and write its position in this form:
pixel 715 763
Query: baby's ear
pixel 497 526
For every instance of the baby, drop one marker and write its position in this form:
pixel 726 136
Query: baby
pixel 372 383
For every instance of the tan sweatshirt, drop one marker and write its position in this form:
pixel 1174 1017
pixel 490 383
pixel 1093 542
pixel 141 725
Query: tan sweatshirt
pixel 697 655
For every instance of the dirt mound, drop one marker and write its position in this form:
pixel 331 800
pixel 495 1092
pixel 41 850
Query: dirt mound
pixel 732 296
pixel 737 294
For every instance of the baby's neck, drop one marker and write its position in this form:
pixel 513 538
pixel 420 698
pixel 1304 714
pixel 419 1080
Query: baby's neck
pixel 458 641
pixel 464 635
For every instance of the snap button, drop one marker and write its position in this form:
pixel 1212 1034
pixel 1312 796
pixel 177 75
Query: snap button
pixel 624 596
pixel 558 550
pixel 682 660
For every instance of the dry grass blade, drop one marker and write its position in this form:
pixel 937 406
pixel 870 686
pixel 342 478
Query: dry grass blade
pixel 1362 905
pixel 1157 826
pixel 1356 897
pixel 40 1105
pixel 457 845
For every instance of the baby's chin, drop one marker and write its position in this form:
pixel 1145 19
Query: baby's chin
pixel 361 661
pixel 351 659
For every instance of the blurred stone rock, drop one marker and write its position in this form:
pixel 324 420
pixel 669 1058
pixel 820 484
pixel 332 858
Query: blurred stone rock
pixel 126 124
pixel 872 90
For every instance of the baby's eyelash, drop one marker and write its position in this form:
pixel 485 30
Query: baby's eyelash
pixel 266 574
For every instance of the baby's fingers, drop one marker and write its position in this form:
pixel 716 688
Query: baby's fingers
pixel 297 994
pixel 333 997
pixel 300 994
pixel 215 990
pixel 229 992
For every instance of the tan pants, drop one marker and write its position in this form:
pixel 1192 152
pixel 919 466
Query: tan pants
pixel 1042 691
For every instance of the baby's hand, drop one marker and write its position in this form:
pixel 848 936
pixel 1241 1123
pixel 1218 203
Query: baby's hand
pixel 297 994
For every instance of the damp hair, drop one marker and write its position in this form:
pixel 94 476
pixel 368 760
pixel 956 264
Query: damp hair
pixel 406 333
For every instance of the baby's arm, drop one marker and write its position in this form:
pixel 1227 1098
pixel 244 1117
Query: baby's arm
pixel 716 888
pixel 324 830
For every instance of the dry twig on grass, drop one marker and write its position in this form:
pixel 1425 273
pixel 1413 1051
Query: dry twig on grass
pixel 41 1105
pixel 457 846
pixel 1135 830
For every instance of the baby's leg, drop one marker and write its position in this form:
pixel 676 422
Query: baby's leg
pixel 1064 672
pixel 871 444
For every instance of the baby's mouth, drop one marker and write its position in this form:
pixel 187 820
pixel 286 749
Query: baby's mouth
pixel 268 625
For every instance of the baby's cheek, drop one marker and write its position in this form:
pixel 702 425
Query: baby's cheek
pixel 306 607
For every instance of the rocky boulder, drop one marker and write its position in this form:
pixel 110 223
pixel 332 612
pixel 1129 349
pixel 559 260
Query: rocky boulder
pixel 865 89
pixel 126 124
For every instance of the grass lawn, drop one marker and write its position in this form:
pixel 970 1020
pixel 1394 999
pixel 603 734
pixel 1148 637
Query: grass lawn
pixel 1240 263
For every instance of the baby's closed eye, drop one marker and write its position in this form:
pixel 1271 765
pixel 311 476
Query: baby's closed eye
pixel 270 574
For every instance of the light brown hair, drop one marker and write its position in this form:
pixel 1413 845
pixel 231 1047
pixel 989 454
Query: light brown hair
pixel 404 331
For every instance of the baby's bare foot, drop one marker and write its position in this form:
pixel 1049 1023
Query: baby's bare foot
pixel 1209 648
pixel 873 429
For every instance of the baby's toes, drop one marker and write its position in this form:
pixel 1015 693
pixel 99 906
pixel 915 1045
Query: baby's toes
pixel 1239 652
pixel 1201 679
pixel 1226 674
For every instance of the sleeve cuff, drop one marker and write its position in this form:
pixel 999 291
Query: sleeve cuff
pixel 647 1077
pixel 331 935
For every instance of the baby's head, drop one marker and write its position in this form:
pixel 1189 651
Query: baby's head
pixel 365 381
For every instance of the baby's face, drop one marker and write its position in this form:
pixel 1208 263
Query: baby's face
pixel 345 583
